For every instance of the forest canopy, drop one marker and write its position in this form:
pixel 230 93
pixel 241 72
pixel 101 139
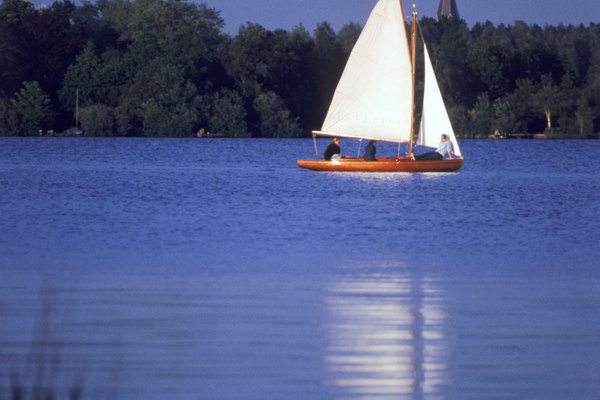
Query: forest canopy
pixel 167 68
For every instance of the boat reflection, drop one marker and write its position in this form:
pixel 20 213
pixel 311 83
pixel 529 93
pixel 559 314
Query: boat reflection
pixel 386 338
pixel 378 176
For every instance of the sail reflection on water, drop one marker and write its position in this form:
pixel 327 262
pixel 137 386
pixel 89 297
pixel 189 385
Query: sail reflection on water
pixel 386 338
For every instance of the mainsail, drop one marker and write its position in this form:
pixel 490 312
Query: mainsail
pixel 434 120
pixel 373 98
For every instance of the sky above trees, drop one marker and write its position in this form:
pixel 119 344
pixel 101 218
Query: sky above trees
pixel 273 14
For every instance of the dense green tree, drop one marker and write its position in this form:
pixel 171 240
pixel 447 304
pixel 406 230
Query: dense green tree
pixel 594 69
pixel 10 73
pixel 328 64
pixel 348 35
pixel 593 94
pixel 482 115
pixel 288 76
pixel 164 51
pixel 83 77
pixel 183 32
pixel 247 59
pixel 299 94
pixel 116 74
pixel 567 107
pixel 259 61
pixel 523 103
pixel 584 117
pixel 533 57
pixel 163 100
pixel 13 44
pixel 459 116
pixel 275 119
pixel 5 117
pixel 228 114
pixel 547 99
pixel 88 20
pixel 488 59
pixel 573 48
pixel 38 45
pixel 504 118
pixel 97 120
pixel 450 54
pixel 14 12
pixel 126 122
pixel 52 45
pixel 30 109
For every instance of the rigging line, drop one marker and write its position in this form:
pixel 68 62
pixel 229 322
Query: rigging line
pixel 314 135
pixel 399 147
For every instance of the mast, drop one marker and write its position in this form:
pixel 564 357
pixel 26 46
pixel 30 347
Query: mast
pixel 77 108
pixel 413 47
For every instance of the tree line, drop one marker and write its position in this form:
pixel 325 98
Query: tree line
pixel 167 68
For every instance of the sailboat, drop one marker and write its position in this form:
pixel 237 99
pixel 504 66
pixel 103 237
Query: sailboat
pixel 375 99
pixel 76 130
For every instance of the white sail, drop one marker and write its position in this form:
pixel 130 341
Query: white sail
pixel 435 120
pixel 373 96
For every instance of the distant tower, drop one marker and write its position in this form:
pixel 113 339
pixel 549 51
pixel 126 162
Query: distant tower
pixel 448 9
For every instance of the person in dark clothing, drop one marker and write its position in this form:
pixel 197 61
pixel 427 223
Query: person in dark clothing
pixel 370 151
pixel 333 148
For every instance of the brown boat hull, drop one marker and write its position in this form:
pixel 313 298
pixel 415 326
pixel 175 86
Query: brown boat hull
pixel 383 165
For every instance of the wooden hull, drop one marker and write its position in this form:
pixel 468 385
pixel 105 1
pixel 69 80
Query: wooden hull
pixel 383 165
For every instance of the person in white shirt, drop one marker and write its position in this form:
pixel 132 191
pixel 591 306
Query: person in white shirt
pixel 445 149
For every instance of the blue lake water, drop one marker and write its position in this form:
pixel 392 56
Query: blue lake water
pixel 216 269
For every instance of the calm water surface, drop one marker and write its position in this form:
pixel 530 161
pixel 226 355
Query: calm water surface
pixel 216 269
